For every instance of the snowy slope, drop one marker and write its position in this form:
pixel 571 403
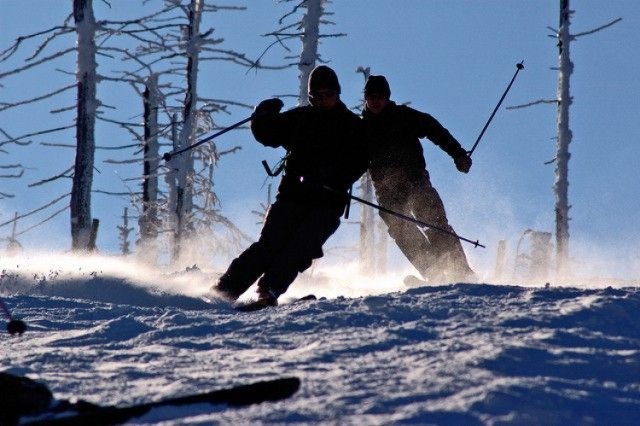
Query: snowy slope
pixel 449 354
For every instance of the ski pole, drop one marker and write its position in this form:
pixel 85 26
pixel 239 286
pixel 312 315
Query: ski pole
pixel 13 326
pixel 519 67
pixel 404 217
pixel 169 155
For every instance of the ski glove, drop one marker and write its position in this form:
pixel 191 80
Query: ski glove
pixel 463 162
pixel 269 106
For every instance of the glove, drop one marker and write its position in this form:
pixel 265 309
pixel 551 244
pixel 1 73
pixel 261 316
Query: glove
pixel 269 106
pixel 463 162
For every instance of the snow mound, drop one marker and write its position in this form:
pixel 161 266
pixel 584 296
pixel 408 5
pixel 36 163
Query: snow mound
pixel 452 354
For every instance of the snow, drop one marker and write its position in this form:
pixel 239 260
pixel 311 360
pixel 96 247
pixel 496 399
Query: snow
pixel 114 332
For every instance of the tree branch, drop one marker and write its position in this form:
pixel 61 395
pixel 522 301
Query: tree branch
pixel 17 139
pixel 39 98
pixel 51 179
pixel 615 21
pixel 541 101
pixel 12 140
pixel 24 231
pixel 13 176
pixel 7 53
pixel 35 64
pixel 49 204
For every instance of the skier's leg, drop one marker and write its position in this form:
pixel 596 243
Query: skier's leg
pixel 302 247
pixel 394 193
pixel 411 242
pixel 279 225
pixel 445 253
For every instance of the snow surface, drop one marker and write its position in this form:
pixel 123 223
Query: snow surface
pixel 113 332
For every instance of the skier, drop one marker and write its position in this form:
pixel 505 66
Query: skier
pixel 401 181
pixel 324 143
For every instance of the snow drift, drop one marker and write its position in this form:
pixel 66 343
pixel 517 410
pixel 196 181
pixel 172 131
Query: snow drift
pixel 447 354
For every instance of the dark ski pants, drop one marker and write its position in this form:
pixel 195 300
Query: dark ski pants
pixel 436 255
pixel 292 236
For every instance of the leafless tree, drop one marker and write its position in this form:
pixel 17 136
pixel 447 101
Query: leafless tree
pixel 175 46
pixel 124 231
pixel 168 49
pixel 85 80
pixel 307 30
pixel 563 101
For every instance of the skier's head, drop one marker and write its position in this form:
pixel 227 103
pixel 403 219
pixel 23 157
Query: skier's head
pixel 324 87
pixel 377 85
pixel 376 93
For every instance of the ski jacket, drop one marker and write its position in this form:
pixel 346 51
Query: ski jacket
pixel 324 147
pixel 393 140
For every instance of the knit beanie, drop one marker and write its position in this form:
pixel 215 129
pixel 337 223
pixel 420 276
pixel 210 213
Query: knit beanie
pixel 377 85
pixel 323 77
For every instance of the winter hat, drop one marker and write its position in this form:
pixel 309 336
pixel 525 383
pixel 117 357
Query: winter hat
pixel 377 85
pixel 323 77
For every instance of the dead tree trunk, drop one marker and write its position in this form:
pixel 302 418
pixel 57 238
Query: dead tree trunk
pixel 81 220
pixel 148 221
pixel 184 206
pixel 124 231
pixel 561 184
pixel 171 179
pixel 311 34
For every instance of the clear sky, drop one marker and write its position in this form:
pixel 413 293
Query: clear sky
pixel 450 58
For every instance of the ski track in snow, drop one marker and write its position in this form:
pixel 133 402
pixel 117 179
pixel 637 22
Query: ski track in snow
pixel 447 354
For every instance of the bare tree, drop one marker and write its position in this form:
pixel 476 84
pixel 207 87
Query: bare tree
pixel 86 77
pixel 149 219
pixel 85 84
pixel 173 49
pixel 164 39
pixel 563 101
pixel 124 231
pixel 307 30
pixel 87 107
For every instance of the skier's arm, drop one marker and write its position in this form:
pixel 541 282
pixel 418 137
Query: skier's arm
pixel 430 128
pixel 267 124
pixel 427 126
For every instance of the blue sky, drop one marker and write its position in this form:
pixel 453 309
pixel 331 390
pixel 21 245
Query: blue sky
pixel 452 59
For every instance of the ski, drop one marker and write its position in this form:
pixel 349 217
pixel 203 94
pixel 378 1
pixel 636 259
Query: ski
pixel 307 298
pixel 258 305
pixel 84 413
